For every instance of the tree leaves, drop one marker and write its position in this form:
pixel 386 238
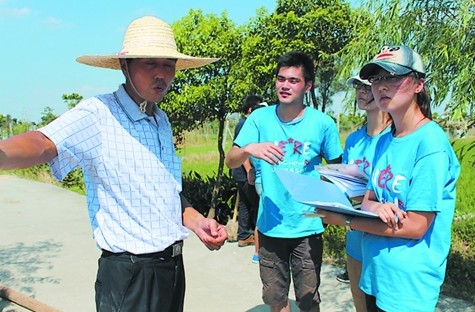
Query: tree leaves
pixel 441 31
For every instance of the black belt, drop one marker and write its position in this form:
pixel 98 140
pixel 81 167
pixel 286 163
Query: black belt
pixel 170 252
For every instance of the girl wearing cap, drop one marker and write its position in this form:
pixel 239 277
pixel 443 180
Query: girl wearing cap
pixel 411 189
pixel 359 150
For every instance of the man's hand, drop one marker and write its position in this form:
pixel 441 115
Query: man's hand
pixel 267 151
pixel 211 233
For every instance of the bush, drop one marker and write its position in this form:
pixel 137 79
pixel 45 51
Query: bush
pixel 334 245
pixel 74 181
pixel 459 280
pixel 199 190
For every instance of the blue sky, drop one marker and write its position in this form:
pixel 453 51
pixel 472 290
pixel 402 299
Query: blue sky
pixel 40 40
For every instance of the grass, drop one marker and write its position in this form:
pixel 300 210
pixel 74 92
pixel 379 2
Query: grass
pixel 465 149
pixel 199 152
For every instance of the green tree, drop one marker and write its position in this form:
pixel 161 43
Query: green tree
pixel 442 31
pixel 72 99
pixel 319 28
pixel 206 93
pixel 3 127
pixel 248 57
pixel 47 116
pixel 22 127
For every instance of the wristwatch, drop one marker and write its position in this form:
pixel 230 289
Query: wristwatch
pixel 348 223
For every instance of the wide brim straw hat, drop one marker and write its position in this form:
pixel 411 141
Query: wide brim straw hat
pixel 147 37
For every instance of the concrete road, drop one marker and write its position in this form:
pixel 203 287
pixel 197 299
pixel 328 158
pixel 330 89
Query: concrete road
pixel 47 252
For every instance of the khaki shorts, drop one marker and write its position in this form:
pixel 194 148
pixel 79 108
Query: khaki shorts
pixel 281 256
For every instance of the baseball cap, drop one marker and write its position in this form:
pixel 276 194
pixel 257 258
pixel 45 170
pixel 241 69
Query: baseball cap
pixel 397 60
pixel 357 78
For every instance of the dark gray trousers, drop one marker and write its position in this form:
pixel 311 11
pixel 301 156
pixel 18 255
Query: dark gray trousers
pixel 140 283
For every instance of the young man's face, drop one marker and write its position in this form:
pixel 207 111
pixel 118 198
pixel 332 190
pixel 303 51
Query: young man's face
pixel 291 86
pixel 151 77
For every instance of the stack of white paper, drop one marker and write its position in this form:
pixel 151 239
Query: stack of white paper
pixel 348 178
pixel 315 192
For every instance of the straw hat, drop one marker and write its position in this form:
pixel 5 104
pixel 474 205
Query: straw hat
pixel 147 37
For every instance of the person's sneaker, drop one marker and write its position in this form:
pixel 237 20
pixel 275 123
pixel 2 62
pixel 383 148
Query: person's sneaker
pixel 255 258
pixel 343 277
pixel 246 242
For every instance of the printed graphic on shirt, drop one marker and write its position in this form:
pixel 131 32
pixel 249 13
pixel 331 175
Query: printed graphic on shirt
pixel 390 187
pixel 364 165
pixel 297 156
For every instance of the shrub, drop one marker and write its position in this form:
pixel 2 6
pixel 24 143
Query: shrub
pixel 74 181
pixel 459 280
pixel 198 190
pixel 334 245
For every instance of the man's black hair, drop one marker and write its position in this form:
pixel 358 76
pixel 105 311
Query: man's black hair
pixel 250 102
pixel 298 59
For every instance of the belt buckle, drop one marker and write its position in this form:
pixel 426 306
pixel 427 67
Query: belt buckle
pixel 177 249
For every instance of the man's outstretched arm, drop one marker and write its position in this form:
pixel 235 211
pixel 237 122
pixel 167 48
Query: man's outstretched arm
pixel 26 150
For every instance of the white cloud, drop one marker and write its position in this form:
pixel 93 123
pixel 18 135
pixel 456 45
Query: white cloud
pixel 53 21
pixel 14 12
pixel 56 23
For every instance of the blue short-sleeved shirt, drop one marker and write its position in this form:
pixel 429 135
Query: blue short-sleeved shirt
pixel 359 150
pixel 131 171
pixel 305 141
pixel 417 172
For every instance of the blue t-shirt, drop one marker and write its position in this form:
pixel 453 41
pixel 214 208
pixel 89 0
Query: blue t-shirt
pixel 417 172
pixel 305 141
pixel 359 150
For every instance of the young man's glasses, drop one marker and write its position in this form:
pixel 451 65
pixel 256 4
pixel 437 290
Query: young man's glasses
pixel 359 85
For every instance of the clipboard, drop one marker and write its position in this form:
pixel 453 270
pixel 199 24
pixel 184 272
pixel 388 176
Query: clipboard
pixel 313 191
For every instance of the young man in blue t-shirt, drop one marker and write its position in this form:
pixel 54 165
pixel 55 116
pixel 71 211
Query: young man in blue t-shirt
pixel 293 137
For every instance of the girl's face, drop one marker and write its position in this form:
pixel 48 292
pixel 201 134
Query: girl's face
pixel 364 97
pixel 393 93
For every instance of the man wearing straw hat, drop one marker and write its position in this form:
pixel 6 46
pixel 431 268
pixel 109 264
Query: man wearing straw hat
pixel 124 145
